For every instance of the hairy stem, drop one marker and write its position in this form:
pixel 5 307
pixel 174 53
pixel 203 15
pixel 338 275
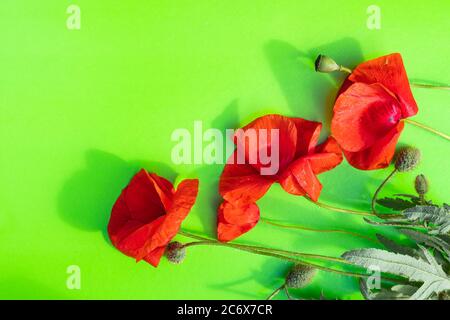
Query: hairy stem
pixel 273 294
pixel 337 209
pixel 420 125
pixel 429 86
pixel 345 69
pixel 279 254
pixel 297 227
pixel 375 195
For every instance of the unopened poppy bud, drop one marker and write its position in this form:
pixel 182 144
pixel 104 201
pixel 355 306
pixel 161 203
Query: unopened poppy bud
pixel 421 184
pixel 300 276
pixel 175 252
pixel 326 64
pixel 408 158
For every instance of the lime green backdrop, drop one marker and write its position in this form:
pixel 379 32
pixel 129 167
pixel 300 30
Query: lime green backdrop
pixel 82 110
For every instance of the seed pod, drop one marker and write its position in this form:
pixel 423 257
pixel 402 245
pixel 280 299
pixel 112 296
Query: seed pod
pixel 407 159
pixel 421 184
pixel 300 276
pixel 326 64
pixel 175 252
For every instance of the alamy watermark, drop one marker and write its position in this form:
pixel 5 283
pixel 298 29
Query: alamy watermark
pixel 73 281
pixel 212 146
pixel 374 18
pixel 73 21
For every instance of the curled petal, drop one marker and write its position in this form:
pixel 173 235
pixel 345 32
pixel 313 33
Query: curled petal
pixel 308 133
pixel 362 115
pixel 139 203
pixel 148 214
pixel 299 179
pixel 328 155
pixel 379 155
pixel 183 200
pixel 256 139
pixel 242 182
pixel 390 72
pixel 155 256
pixel 132 243
pixel 235 219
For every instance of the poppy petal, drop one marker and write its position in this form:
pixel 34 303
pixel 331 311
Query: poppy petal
pixel 155 256
pixel 299 179
pixel 163 187
pixel 138 204
pixel 308 133
pixel 379 155
pixel 143 197
pixel 255 139
pixel 328 155
pixel 132 243
pixel 363 114
pixel 183 200
pixel 242 182
pixel 235 219
pixel 390 72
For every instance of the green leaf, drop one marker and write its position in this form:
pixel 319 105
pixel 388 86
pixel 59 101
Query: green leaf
pixel 428 272
pixel 428 240
pixel 365 290
pixel 415 199
pixel 384 294
pixel 394 246
pixel 397 204
pixel 439 217
pixel 404 289
pixel 392 223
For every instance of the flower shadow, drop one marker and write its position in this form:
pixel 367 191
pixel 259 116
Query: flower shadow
pixel 302 87
pixel 86 199
pixel 209 197
pixel 269 275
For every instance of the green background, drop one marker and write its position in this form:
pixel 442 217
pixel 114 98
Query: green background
pixel 81 111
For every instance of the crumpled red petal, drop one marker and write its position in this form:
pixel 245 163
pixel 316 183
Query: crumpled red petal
pixel 390 72
pixel 379 155
pixel 183 200
pixel 148 214
pixel 328 155
pixel 299 179
pixel 242 182
pixel 286 144
pixel 131 244
pixel 235 219
pixel 363 114
pixel 139 203
pixel 308 133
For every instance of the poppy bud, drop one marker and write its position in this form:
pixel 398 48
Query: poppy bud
pixel 421 184
pixel 408 158
pixel 326 64
pixel 300 276
pixel 175 252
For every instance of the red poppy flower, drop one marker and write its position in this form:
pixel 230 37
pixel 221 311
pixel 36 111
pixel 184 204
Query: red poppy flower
pixel 368 112
pixel 299 161
pixel 148 214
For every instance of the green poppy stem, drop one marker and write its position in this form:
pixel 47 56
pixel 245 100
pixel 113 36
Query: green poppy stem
pixel 412 84
pixel 273 294
pixel 276 253
pixel 420 125
pixel 360 213
pixel 345 69
pixel 375 195
pixel 297 227
pixel 206 241
pixel 429 86
pixel 280 254
pixel 337 209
